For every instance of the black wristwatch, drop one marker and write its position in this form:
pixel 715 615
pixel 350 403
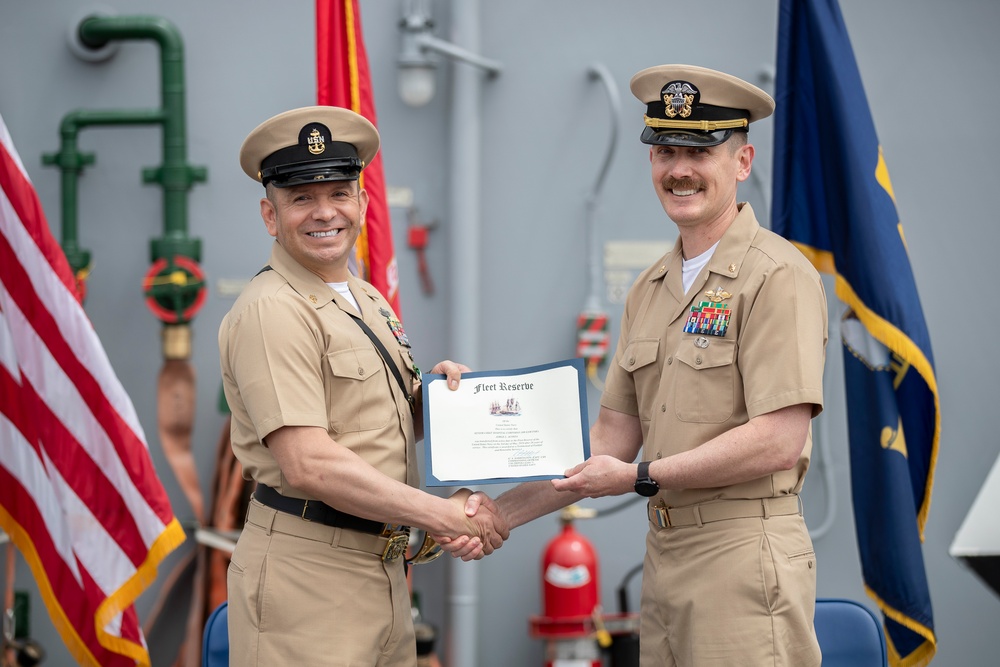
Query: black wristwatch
pixel 644 484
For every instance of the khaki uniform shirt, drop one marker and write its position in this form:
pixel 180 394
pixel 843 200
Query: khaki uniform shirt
pixel 292 356
pixel 688 387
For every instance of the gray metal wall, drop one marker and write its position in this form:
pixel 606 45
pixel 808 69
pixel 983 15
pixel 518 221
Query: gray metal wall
pixel 929 73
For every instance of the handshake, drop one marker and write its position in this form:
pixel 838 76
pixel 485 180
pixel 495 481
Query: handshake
pixel 476 526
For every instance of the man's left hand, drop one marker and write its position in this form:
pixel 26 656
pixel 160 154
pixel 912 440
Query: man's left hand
pixel 453 370
pixel 598 476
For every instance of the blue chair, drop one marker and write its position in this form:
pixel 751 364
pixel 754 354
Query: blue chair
pixel 215 644
pixel 849 634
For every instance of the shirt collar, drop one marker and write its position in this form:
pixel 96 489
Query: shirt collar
pixel 728 256
pixel 310 286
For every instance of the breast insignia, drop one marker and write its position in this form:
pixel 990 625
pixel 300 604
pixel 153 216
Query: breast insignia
pixel 717 296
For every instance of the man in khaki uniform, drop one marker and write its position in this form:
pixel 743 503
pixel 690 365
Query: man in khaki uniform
pixel 716 377
pixel 323 389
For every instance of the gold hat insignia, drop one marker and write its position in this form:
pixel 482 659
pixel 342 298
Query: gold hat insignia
pixel 315 142
pixel 678 98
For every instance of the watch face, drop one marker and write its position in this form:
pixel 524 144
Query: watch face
pixel 644 484
pixel 646 487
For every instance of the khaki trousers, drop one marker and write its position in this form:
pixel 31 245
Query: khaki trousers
pixel 305 594
pixel 729 592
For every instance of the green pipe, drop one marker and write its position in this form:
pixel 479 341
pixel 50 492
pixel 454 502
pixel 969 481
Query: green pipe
pixel 71 162
pixel 175 175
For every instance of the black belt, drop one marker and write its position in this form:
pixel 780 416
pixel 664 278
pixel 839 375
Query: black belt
pixel 316 510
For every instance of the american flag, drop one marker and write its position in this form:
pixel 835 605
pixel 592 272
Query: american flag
pixel 78 493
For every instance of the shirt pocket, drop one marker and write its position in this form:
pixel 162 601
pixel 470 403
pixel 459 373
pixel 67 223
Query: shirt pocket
pixel 705 386
pixel 359 398
pixel 639 360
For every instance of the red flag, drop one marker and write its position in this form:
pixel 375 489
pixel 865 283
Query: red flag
pixel 78 493
pixel 343 80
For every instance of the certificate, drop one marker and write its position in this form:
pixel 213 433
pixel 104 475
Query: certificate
pixel 508 426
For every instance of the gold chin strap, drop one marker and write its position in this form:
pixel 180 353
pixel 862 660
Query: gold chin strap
pixel 702 125
pixel 428 551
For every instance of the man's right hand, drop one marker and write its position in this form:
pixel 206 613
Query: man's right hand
pixel 486 527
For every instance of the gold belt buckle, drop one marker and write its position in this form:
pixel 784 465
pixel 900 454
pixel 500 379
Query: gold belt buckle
pixel 396 547
pixel 662 516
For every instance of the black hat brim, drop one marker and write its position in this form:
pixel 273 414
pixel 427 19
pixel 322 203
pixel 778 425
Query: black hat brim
pixel 684 137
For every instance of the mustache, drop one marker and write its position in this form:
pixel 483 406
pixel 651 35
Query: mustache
pixel 682 184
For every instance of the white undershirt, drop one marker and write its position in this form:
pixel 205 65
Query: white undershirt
pixel 690 268
pixel 343 290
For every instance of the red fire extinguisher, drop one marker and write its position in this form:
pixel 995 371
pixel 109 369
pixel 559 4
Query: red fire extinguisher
pixel 569 575
pixel 571 612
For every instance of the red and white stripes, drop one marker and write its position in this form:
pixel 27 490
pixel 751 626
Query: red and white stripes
pixel 78 492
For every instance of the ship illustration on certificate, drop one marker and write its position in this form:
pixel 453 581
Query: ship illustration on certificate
pixel 512 408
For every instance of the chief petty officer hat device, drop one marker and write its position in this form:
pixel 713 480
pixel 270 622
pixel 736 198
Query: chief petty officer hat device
pixel 309 145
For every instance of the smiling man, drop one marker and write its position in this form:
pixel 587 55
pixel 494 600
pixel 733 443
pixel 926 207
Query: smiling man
pixel 717 374
pixel 313 366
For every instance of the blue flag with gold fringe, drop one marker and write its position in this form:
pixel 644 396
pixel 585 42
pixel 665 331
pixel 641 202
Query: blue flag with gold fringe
pixel 833 199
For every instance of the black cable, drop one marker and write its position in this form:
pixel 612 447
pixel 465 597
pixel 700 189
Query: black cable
pixel 620 506
pixel 623 588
